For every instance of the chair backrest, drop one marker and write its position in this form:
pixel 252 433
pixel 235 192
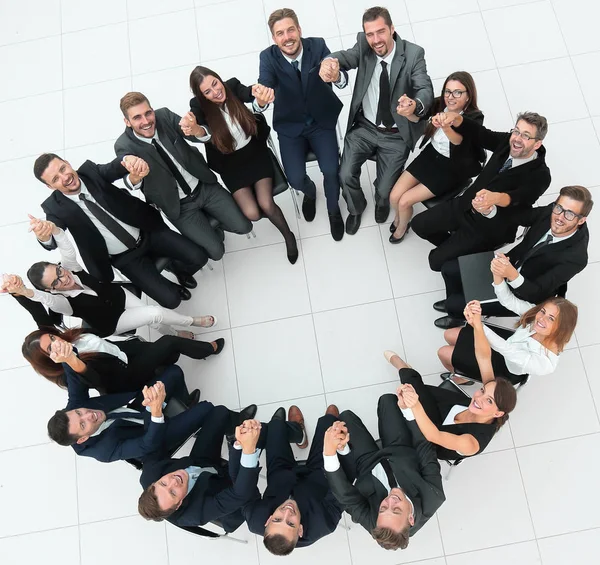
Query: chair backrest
pixel 280 182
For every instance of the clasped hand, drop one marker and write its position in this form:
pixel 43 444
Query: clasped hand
pixel 406 106
pixel 61 351
pixel 13 284
pixel 407 396
pixel 247 434
pixel 329 71
pixel 501 267
pixel 263 94
pixel 154 396
pixel 336 438
pixel 472 313
pixel 136 167
pixel 484 201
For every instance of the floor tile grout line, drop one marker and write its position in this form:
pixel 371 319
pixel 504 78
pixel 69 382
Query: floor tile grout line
pixel 589 384
pixel 197 33
pixel 129 46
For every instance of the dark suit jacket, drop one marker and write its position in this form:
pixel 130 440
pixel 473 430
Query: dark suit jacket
pixel 553 265
pixel 408 75
pixel 160 186
pixel 68 216
pixel 417 471
pixel 214 497
pixel 296 100
pixel 216 159
pixel 320 511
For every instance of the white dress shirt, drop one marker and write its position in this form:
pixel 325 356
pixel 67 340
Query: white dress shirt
pixel 440 141
pixel 113 244
pixel 371 98
pixel 91 343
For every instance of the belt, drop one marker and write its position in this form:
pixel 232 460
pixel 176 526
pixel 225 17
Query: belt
pixel 137 244
pixel 383 129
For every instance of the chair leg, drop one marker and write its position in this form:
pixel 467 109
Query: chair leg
pixel 209 266
pixel 450 467
pixel 295 201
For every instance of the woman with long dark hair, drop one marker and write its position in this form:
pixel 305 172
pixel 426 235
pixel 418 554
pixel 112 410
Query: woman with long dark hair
pixel 109 367
pixel 236 144
pixel 446 160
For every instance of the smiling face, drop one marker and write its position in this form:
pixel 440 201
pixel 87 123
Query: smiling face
pixel 521 148
pixel 546 320
pixel 560 226
pixel 57 278
pixel 59 175
pixel 141 120
pixel 380 36
pixel 286 35
pixel 46 341
pixel 84 422
pixel 285 521
pixel 171 489
pixel 456 104
pixel 395 511
pixel 213 90
pixel 483 403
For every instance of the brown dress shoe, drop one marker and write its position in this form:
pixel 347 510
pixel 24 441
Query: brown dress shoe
pixel 295 415
pixel 333 410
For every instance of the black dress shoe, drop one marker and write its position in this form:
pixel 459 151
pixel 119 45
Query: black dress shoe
pixel 381 213
pixel 184 293
pixel 186 280
pixel 440 306
pixel 336 223
pixel 220 345
pixel 236 419
pixel 399 239
pixel 447 322
pixel 279 414
pixel 292 248
pixel 352 224
pixel 248 413
pixel 309 208
pixel 193 398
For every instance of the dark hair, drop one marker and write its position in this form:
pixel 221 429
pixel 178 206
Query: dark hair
pixel 221 136
pixel 279 545
pixel 505 397
pixel 389 539
pixel 534 119
pixel 281 14
pixel 58 429
pixel 565 322
pixel 149 508
pixel 41 164
pixel 439 103
pixel 581 194
pixel 35 274
pixel 132 99
pixel 375 12
pixel 40 360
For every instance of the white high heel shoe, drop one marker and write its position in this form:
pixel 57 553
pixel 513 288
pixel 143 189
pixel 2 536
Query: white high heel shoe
pixel 388 354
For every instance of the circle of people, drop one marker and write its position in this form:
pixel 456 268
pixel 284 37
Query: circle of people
pixel 145 411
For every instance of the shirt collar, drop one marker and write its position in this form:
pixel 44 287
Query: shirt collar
pixel 516 162
pixel 556 239
pixel 82 190
pixel 388 58
pixel 297 58
pixel 146 139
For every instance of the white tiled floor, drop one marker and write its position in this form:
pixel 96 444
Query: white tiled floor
pixel 313 333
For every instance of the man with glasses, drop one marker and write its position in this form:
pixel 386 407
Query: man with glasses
pixel 483 218
pixel 552 252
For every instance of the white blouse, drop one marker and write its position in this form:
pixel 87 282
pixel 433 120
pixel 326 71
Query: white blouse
pixel 521 352
pixel 440 141
pixel 240 139
pixel 88 343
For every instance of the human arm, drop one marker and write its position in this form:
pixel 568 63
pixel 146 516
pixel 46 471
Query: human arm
pixel 482 136
pixel 509 300
pixel 44 230
pixel 422 88
pixel 342 80
pixel 483 351
pixel 350 498
pixel 14 285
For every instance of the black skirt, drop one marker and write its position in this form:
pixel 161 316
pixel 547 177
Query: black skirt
pixel 246 166
pixel 435 171
pixel 465 363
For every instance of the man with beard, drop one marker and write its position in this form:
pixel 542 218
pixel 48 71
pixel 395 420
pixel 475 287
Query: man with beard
pixel 391 93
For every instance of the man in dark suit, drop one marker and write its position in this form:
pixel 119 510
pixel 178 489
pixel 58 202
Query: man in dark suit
pixel 179 182
pixel 195 490
pixel 552 252
pixel 392 91
pixel 113 228
pixel 391 491
pixel 297 507
pixel 483 217
pixel 306 112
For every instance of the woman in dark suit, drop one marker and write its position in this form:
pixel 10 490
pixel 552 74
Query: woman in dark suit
pixel 445 162
pixel 109 367
pixel 236 145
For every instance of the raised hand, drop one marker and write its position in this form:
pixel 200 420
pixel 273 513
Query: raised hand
pixel 411 398
pixel 401 401
pixel 502 268
pixel 263 94
pixel 406 106
pixel 189 125
pixel 336 437
pixel 154 396
pixel 137 168
pixel 329 71
pixel 61 351
pixel 484 200
pixel 42 229
pixel 13 284
pixel 472 313
pixel 248 435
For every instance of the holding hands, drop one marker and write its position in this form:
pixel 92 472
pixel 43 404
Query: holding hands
pixel 61 351
pixel 406 106
pixel 263 94
pixel 189 125
pixel 472 313
pixel 446 119
pixel 13 284
pixel 154 396
pixel 43 229
pixel 247 435
pixel 502 268
pixel 484 201
pixel 336 438
pixel 407 396
pixel 137 168
pixel 329 70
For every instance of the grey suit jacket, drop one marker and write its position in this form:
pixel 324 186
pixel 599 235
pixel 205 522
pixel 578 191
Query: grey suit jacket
pixel 408 75
pixel 159 186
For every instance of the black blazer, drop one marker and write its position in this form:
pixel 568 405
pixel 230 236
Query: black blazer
pixel 216 159
pixel 160 186
pixel 417 471
pixel 320 510
pixel 68 216
pixel 214 497
pixel 552 266
pixel 296 100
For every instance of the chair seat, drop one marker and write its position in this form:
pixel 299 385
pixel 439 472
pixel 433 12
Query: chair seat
pixel 310 157
pixel 446 196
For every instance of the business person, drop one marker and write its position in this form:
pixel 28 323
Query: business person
pixel 179 182
pixel 195 490
pixel 297 507
pixel 393 491
pixel 391 93
pixel 484 217
pixel 113 228
pixel 446 160
pixel 552 251
pixel 236 145
pixel 305 112
pixel 107 308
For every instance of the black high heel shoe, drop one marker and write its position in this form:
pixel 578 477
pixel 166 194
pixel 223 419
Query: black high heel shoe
pixel 398 240
pixel 292 250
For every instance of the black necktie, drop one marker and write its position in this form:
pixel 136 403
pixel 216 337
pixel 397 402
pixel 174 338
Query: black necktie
pixel 296 66
pixel 390 474
pixel 174 170
pixel 507 165
pixel 124 415
pixel 384 114
pixel 109 222
pixel 533 250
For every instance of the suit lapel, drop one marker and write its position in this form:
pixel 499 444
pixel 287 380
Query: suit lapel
pixel 370 63
pixel 145 150
pixel 398 63
pixel 284 65
pixel 306 63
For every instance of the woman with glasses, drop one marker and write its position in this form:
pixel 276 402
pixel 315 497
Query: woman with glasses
pixel 533 349
pixel 445 162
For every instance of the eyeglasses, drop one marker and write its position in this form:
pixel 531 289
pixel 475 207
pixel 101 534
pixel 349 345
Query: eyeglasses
pixel 525 135
pixel 454 93
pixel 60 273
pixel 569 214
